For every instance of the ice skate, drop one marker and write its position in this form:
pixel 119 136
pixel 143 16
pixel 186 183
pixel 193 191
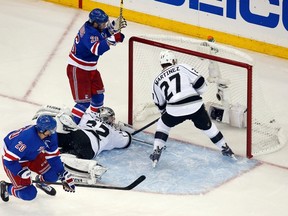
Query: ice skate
pixel 155 156
pixel 4 191
pixel 226 151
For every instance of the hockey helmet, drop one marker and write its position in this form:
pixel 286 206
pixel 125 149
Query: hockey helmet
pixel 99 16
pixel 167 57
pixel 106 114
pixel 46 123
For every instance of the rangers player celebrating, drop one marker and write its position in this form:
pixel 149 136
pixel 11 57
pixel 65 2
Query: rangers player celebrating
pixel 177 93
pixel 33 148
pixel 93 40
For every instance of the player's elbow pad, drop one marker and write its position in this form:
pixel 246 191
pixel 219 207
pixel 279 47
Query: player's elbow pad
pixel 200 85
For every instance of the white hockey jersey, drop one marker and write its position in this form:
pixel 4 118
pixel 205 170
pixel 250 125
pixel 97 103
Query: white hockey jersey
pixel 102 135
pixel 177 89
pixel 89 138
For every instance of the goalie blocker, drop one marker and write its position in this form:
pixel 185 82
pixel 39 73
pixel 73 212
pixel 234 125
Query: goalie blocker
pixel 234 115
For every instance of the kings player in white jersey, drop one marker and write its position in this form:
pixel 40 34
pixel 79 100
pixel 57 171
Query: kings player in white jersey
pixel 80 144
pixel 94 134
pixel 177 93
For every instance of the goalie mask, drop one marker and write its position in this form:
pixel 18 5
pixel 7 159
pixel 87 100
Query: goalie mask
pixel 167 57
pixel 107 115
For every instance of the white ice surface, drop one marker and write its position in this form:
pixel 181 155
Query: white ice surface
pixel 35 40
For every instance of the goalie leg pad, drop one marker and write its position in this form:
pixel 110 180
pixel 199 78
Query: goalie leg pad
pixel 79 164
pixel 84 171
pixel 238 116
pixel 218 112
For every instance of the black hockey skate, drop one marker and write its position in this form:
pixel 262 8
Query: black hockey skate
pixel 4 191
pixel 155 156
pixel 226 151
pixel 45 187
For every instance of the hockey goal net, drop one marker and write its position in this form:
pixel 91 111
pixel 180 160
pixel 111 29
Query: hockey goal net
pixel 237 98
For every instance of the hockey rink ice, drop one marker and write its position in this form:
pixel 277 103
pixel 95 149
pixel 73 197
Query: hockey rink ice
pixel 183 168
pixel 190 179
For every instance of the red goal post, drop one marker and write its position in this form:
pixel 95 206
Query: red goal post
pixel 143 51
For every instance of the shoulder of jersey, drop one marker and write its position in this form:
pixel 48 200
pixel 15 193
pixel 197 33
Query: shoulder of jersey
pixel 188 67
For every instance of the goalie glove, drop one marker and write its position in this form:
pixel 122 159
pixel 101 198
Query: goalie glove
pixel 117 25
pixel 116 38
pixel 124 127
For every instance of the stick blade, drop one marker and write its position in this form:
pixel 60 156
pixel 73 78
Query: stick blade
pixel 129 187
pixel 136 182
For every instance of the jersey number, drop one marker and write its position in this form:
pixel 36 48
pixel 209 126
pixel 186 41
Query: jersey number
pixel 103 133
pixel 165 86
pixel 76 41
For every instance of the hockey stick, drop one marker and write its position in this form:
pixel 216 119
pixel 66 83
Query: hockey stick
pixel 142 141
pixel 121 8
pixel 128 187
pixel 121 11
pixel 146 126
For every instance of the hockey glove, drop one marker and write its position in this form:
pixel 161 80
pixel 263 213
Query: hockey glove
pixel 25 175
pixel 116 38
pixel 117 25
pixel 161 108
pixel 163 111
pixel 67 181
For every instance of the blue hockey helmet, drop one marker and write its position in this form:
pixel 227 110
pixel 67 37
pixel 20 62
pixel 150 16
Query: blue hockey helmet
pixel 46 123
pixel 99 16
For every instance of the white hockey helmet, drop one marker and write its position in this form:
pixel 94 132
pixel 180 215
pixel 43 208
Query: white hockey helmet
pixel 167 57
pixel 106 114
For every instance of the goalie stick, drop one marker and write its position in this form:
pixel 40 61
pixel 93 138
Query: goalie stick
pixel 128 187
pixel 142 141
pixel 144 127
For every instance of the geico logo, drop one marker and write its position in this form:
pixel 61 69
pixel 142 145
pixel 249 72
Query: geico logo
pixel 270 20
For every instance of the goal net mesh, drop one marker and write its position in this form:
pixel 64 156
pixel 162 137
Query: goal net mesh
pixel 265 133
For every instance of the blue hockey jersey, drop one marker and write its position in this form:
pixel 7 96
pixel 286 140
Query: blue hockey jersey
pixel 88 45
pixel 25 145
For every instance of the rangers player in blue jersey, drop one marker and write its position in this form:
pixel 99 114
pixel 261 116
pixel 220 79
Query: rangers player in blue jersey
pixel 33 148
pixel 93 40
